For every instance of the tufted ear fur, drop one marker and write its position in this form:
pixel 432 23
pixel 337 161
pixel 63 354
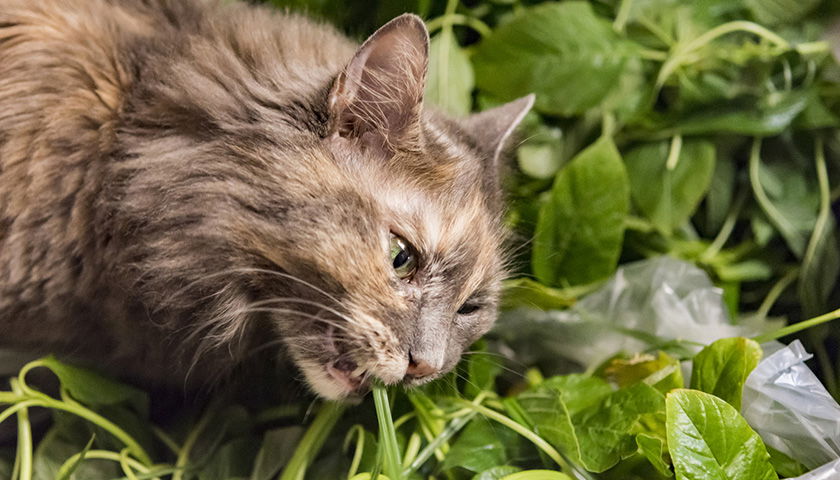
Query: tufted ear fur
pixel 378 97
pixel 493 128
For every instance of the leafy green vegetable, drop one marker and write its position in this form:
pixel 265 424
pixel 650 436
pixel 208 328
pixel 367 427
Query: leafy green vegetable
pixel 450 80
pixel 709 440
pixel 580 229
pixel 596 436
pixel 563 52
pixel 722 368
pixel 668 182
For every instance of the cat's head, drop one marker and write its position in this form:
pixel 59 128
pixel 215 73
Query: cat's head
pixel 365 230
pixel 415 248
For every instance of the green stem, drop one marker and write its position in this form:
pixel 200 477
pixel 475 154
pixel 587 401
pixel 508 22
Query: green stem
pixel 680 53
pixel 798 327
pixel 126 466
pixel 827 367
pixel 454 427
pixel 387 434
pixel 100 455
pixel 726 230
pixel 810 298
pixel 761 197
pixel 24 444
pixel 521 430
pixel 189 442
pixel 775 292
pixel 358 452
pixel 312 441
pixel 622 15
pixel 459 19
pixel 79 410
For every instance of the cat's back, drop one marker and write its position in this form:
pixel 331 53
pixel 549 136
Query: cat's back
pixel 70 72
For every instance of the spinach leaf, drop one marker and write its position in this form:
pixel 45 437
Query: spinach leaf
pixel 450 79
pixel 668 182
pixel 581 227
pixel 563 52
pixel 709 440
pixel 722 368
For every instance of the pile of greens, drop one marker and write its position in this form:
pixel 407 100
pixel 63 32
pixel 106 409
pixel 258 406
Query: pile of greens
pixel 705 130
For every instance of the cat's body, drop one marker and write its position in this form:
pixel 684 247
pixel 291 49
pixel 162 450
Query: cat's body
pixel 182 184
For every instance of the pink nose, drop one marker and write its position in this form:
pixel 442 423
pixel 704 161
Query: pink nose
pixel 418 368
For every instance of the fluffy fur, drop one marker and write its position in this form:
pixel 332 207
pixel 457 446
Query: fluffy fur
pixel 184 183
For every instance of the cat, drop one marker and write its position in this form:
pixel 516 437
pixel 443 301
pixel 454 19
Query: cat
pixel 184 183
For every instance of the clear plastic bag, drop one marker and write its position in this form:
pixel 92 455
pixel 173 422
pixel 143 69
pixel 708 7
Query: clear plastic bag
pixel 788 406
pixel 644 303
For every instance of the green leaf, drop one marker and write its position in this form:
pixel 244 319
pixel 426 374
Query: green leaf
pixel 774 12
pixel 524 292
pixel 233 460
pixel 93 389
pixel 481 446
pixel 709 440
pixel 482 370
pixel 722 368
pixel 785 466
pixel 666 192
pixel 537 475
pixel 660 371
pixel 821 264
pixel 655 450
pixel 787 196
pixel 767 116
pixel 450 80
pixel 720 196
pixel 598 435
pixel 275 451
pixel 580 229
pixel 566 54
pixel 56 447
pixel 496 473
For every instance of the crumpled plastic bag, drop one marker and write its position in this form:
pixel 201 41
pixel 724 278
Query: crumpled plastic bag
pixel 791 410
pixel 829 471
pixel 661 299
pixel 664 299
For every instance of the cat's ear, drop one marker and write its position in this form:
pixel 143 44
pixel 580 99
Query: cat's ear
pixel 494 128
pixel 378 97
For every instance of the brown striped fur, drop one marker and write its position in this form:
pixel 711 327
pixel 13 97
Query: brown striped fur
pixel 185 183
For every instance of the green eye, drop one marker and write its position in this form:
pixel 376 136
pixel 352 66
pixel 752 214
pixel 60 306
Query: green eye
pixel 403 258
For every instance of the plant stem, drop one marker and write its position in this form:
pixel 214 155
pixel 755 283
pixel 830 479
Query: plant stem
pixel 525 432
pixel 387 434
pixel 681 52
pixel 101 455
pixel 761 197
pixel 24 444
pixel 798 327
pixel 726 230
pixel 459 19
pixel 775 292
pixel 189 442
pixel 312 441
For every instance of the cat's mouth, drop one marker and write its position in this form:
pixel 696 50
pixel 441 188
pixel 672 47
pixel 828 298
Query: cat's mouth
pixel 346 372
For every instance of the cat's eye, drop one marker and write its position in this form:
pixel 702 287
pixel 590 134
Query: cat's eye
pixel 468 308
pixel 403 257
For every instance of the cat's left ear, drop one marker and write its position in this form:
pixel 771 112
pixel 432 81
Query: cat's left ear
pixel 494 128
pixel 378 98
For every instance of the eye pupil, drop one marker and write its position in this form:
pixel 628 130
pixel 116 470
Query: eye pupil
pixel 468 308
pixel 400 259
pixel 403 257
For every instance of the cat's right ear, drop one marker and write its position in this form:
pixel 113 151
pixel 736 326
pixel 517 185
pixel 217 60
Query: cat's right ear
pixel 378 98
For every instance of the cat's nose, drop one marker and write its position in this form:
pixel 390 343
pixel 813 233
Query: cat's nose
pixel 418 368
